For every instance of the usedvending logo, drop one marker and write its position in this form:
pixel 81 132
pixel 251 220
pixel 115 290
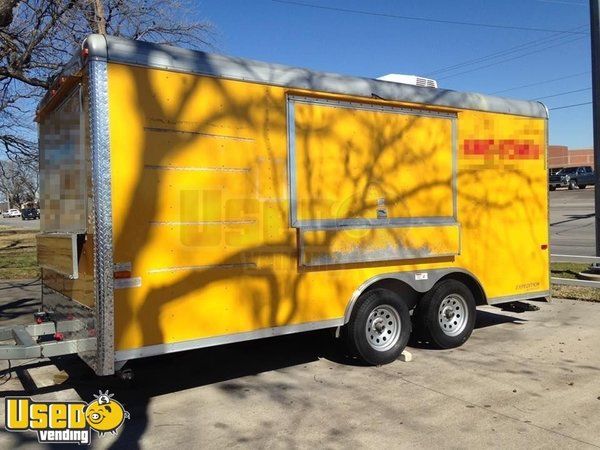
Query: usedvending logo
pixel 65 422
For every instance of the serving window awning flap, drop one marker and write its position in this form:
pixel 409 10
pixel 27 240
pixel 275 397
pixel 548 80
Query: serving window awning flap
pixel 363 163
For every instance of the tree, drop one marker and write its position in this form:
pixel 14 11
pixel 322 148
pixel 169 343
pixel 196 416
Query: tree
pixel 37 37
pixel 18 183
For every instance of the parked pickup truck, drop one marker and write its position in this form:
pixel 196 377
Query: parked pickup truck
pixel 30 213
pixel 572 177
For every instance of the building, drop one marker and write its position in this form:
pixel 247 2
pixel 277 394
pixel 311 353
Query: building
pixel 560 156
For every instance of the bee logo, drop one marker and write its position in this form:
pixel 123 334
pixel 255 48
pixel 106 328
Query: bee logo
pixel 105 415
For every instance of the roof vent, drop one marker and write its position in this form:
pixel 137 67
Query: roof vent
pixel 409 79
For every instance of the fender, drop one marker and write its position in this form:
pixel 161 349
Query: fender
pixel 420 280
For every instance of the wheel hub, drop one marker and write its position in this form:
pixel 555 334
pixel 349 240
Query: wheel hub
pixel 448 313
pixel 453 315
pixel 378 325
pixel 383 327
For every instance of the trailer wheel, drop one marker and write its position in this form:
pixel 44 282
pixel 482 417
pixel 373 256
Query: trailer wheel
pixel 379 327
pixel 552 188
pixel 446 314
pixel 582 186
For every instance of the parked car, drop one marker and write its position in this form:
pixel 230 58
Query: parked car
pixel 11 213
pixel 572 177
pixel 30 213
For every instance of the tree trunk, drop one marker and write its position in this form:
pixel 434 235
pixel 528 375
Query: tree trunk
pixel 6 11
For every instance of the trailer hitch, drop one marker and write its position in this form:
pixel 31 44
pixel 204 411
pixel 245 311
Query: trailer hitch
pixel 43 340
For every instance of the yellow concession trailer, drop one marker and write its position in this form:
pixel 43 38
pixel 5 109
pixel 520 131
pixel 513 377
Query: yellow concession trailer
pixel 191 199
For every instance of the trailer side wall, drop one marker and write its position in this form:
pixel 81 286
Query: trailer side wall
pixel 202 219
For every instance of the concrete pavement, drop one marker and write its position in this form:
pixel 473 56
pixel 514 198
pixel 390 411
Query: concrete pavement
pixel 529 379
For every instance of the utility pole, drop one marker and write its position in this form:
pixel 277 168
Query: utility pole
pixel 595 33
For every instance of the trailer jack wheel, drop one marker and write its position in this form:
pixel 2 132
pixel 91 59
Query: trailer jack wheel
pixel 445 316
pixel 379 327
pixel 125 375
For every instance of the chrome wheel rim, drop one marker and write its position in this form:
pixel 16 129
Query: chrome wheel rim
pixel 383 328
pixel 453 315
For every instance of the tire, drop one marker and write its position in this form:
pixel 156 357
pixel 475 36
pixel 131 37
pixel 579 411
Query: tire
pixel 445 315
pixel 572 184
pixel 582 186
pixel 379 327
pixel 552 188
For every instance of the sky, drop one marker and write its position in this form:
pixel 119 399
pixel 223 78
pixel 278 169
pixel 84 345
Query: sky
pixel 524 52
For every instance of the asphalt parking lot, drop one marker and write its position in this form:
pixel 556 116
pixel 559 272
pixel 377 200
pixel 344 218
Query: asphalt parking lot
pixel 572 222
pixel 523 379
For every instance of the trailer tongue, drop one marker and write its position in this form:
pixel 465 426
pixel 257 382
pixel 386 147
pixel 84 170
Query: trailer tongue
pixel 43 340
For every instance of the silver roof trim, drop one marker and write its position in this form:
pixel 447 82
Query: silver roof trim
pixel 190 61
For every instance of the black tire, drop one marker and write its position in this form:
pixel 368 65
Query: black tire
pixel 552 188
pixel 572 184
pixel 582 186
pixel 378 306
pixel 439 307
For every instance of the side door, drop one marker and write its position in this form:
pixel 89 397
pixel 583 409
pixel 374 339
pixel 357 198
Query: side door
pixel 589 178
pixel 581 176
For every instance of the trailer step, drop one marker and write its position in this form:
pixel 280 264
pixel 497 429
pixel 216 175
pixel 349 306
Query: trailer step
pixel 27 347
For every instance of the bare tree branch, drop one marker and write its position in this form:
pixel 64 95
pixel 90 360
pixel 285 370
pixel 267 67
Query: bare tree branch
pixel 37 37
pixel 18 183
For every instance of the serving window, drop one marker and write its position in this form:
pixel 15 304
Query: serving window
pixel 363 165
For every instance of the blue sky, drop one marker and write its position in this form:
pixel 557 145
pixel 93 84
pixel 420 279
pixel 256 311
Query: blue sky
pixel 369 45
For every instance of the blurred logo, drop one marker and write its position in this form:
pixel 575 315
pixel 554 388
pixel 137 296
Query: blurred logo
pixel 503 149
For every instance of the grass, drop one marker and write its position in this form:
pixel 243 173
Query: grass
pixel 570 270
pixel 567 270
pixel 18 259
